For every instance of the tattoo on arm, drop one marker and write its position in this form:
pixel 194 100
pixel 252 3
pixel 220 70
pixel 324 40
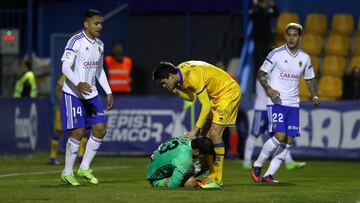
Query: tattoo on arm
pixel 311 84
pixel 262 79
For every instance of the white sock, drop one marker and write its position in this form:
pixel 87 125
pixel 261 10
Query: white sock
pixel 92 146
pixel 277 159
pixel 72 147
pixel 267 150
pixel 249 148
pixel 288 158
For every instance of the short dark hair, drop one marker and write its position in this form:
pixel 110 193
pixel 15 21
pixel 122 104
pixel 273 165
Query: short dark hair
pixel 90 13
pixel 163 70
pixel 203 144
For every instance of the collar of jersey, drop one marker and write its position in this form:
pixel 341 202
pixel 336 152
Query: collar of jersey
pixel 181 76
pixel 92 41
pixel 288 51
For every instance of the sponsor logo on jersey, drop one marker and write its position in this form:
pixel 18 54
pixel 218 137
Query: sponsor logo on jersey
pixel 90 64
pixel 289 76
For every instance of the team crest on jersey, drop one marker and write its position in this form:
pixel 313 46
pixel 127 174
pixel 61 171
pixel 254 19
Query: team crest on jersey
pixel 100 50
pixel 300 63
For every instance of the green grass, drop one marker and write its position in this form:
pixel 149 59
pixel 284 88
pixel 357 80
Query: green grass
pixel 122 179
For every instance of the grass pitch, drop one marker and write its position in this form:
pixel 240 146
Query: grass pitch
pixel 122 179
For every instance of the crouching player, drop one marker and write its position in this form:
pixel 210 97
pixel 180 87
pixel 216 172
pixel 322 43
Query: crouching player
pixel 172 162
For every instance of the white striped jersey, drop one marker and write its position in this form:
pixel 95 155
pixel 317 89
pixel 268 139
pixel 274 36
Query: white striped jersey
pixel 86 57
pixel 285 70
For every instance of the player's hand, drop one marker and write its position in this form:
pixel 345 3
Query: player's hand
pixel 273 94
pixel 176 91
pixel 316 100
pixel 192 134
pixel 84 88
pixel 110 102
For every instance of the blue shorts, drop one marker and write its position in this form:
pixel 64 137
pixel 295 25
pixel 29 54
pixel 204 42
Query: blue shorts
pixel 260 123
pixel 78 113
pixel 284 119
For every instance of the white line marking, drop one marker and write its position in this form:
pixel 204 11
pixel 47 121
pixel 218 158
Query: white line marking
pixel 50 172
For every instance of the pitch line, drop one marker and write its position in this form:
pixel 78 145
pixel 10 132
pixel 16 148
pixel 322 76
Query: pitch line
pixel 51 172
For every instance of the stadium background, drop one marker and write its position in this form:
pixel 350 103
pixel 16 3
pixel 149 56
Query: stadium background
pixel 163 30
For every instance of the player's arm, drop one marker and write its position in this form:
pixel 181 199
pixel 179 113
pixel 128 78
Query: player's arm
pixel 101 77
pixel 186 94
pixel 309 77
pixel 205 107
pixel 311 84
pixel 180 172
pixel 261 77
pixel 58 89
pixel 68 60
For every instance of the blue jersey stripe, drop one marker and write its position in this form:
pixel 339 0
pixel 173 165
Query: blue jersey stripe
pixel 266 59
pixel 271 54
pixel 73 40
pixel 201 90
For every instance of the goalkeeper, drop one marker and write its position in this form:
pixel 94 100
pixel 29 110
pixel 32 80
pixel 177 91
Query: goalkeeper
pixel 172 162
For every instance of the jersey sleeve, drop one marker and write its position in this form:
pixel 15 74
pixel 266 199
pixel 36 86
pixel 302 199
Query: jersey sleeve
pixel 205 108
pixel 71 51
pixel 182 166
pixel 309 70
pixel 269 63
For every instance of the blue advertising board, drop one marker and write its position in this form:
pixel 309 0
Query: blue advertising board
pixel 137 125
pixel 24 125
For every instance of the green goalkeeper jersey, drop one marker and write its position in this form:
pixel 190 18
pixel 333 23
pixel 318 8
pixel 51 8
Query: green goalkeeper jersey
pixel 172 159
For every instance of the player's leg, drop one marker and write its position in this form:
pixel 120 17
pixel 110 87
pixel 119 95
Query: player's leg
pixel 204 133
pixel 291 118
pixel 291 164
pixel 82 147
pixel 259 126
pixel 55 138
pixel 277 127
pixel 54 148
pixel 215 134
pixel 73 116
pixel 98 125
pixel 278 158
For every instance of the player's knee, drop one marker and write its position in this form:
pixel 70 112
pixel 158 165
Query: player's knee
pixel 281 137
pixel 78 133
pixel 99 131
pixel 191 183
pixel 215 136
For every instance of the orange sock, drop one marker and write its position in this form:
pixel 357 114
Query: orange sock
pixel 234 143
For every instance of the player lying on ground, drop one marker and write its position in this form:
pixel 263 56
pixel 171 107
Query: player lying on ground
pixel 172 163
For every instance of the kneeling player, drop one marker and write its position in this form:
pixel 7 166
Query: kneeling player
pixel 172 162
